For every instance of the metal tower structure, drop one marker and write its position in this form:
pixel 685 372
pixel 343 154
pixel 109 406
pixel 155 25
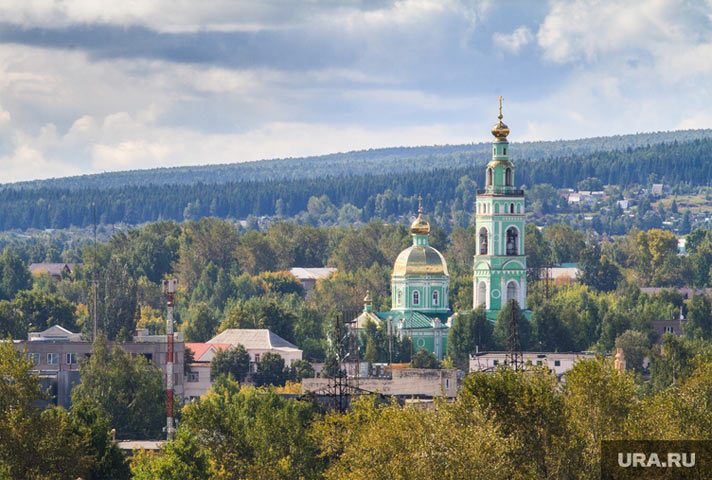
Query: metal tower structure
pixel 169 288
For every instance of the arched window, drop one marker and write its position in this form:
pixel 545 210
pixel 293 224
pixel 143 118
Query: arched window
pixel 483 241
pixel 496 208
pixel 505 151
pixel 512 241
pixel 508 177
pixel 416 298
pixel 399 299
pixel 436 298
pixel 519 209
pixel 481 294
pixel 489 177
pixel 512 291
pixel 511 208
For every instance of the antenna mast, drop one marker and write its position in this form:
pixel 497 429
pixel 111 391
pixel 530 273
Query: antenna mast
pixel 169 288
pixel 94 280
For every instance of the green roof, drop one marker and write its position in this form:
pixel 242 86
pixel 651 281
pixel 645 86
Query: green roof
pixel 413 319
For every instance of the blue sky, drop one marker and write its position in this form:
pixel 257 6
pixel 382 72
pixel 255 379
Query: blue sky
pixel 89 86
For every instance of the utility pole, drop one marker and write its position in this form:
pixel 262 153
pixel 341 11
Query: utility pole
pixel 169 288
pixel 94 280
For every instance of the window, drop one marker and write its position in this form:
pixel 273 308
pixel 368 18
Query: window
pixel 512 291
pixel 399 299
pixel 505 151
pixel 667 330
pixel 34 358
pixel 489 177
pixel 257 357
pixel 481 294
pixel 496 208
pixel 436 298
pixel 495 362
pixel 508 177
pixel 538 363
pixel 512 241
pixel 53 358
pixel 511 208
pixel 194 377
pixel 483 241
pixel 416 298
pixel 557 363
pixel 149 356
pixel 447 384
pixel 71 358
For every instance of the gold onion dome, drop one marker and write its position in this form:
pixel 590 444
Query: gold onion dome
pixel 419 261
pixel 500 131
pixel 419 225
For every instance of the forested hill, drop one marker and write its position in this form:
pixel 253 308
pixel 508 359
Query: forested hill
pixel 448 192
pixel 360 163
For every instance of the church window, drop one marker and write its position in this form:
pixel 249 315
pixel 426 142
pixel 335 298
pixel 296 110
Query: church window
pixel 489 177
pixel 505 150
pixel 511 208
pixel 399 300
pixel 481 294
pixel 421 342
pixel 512 241
pixel 436 298
pixel 416 298
pixel 496 208
pixel 519 209
pixel 512 291
pixel 508 177
pixel 483 241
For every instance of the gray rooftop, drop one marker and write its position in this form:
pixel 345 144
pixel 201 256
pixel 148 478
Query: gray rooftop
pixel 251 338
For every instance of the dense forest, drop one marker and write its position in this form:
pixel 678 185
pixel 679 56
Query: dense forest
pixel 358 163
pixel 448 192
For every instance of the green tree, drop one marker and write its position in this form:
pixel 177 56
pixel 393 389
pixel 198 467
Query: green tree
pixel 699 318
pixel 538 252
pixel 14 275
pixel 127 389
pixel 271 370
pixel 39 311
pixel 549 334
pixel 201 325
pixel 233 361
pixel 181 459
pixel 566 243
pixel 35 444
pixel 301 369
pixel 635 347
pixel 598 271
pixel 470 331
pixel 424 359
pixel 247 434
pixel 501 332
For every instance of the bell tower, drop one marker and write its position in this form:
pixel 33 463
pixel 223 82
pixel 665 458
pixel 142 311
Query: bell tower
pixel 500 267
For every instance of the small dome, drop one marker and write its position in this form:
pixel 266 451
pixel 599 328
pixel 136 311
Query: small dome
pixel 367 299
pixel 421 262
pixel 420 226
pixel 500 131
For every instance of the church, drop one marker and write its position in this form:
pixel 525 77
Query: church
pixel 420 282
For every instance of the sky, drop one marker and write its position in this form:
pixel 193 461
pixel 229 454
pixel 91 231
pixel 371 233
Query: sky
pixel 90 86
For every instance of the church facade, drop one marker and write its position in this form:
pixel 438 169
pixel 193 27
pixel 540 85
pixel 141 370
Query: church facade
pixel 500 264
pixel 420 281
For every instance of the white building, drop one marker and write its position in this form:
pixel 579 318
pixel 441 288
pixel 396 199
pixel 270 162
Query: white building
pixel 560 363
pixel 257 342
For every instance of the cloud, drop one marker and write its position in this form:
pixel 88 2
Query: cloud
pixel 515 40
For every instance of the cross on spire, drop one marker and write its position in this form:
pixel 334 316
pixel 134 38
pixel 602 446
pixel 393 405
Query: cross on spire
pixel 420 205
pixel 500 107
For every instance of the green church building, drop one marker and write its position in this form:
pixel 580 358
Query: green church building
pixel 420 282
pixel 419 294
pixel 500 266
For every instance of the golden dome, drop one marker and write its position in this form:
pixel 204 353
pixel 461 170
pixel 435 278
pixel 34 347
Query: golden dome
pixel 420 261
pixel 419 225
pixel 500 131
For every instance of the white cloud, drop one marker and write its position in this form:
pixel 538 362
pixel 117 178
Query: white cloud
pixel 515 40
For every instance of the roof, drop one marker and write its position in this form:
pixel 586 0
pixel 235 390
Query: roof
pixel 420 261
pixel 316 273
pixel 55 332
pixel 252 338
pixel 140 444
pixel 363 319
pixel 199 349
pixel 413 319
pixel 51 268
